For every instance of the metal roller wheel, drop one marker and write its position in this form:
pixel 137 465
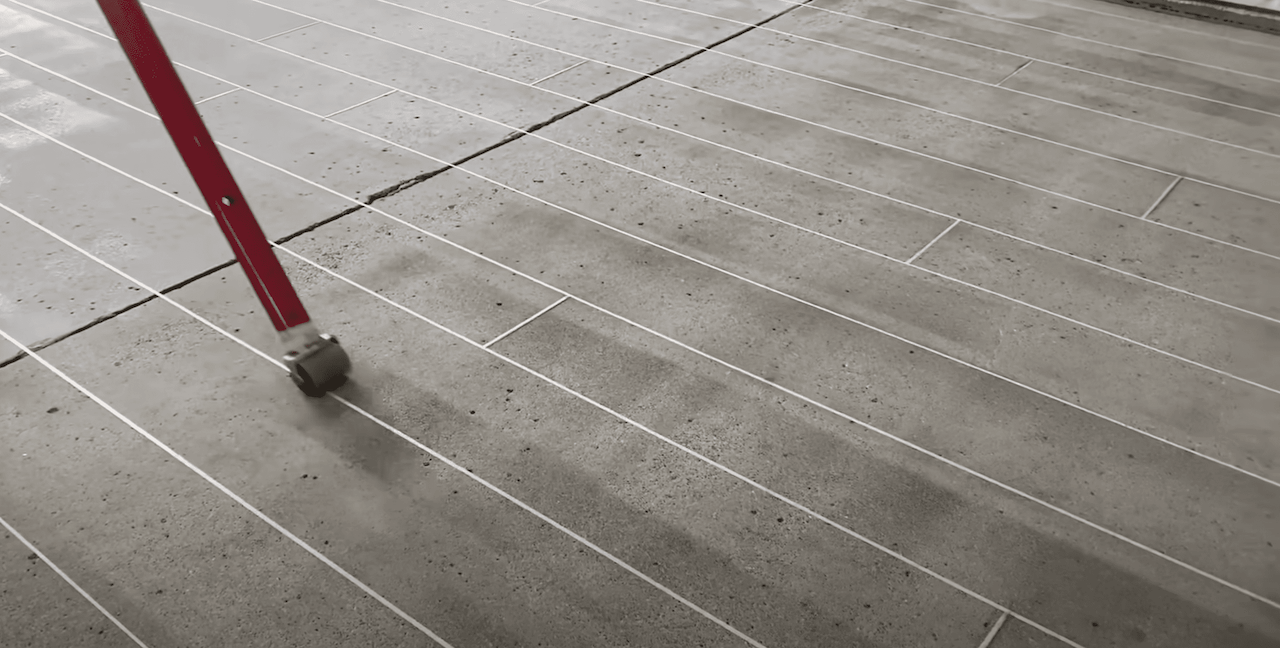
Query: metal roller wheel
pixel 321 368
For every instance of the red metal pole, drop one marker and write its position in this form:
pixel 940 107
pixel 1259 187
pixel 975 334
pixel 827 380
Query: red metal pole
pixel 205 162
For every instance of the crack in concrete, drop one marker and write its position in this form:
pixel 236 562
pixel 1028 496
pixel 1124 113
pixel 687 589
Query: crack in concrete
pixel 411 182
pixel 48 342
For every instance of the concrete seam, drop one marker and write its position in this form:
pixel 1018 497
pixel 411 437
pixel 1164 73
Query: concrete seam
pixel 1168 190
pixel 558 73
pixel 932 241
pixel 1016 70
pixel 48 342
pixel 357 105
pixel 521 325
pixel 220 94
pixel 995 629
pixel 289 31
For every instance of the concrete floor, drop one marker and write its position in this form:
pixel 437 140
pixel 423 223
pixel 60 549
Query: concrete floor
pixel 882 323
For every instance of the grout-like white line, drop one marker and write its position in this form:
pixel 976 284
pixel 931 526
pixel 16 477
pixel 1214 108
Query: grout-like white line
pixel 566 389
pixel 927 349
pixel 366 101
pixel 995 628
pixel 40 554
pixel 368 590
pixel 220 94
pixel 998 232
pixel 1016 70
pixel 932 241
pixel 1168 190
pixel 288 31
pixel 556 74
pixel 521 325
pixel 191 466
pixel 732 367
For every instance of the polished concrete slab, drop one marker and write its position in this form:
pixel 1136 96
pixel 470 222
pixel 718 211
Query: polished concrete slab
pixel 925 323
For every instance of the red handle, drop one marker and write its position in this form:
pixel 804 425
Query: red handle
pixel 205 162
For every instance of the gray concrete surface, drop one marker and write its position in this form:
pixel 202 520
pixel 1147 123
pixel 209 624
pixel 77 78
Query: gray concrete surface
pixel 885 324
pixel 1260 15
